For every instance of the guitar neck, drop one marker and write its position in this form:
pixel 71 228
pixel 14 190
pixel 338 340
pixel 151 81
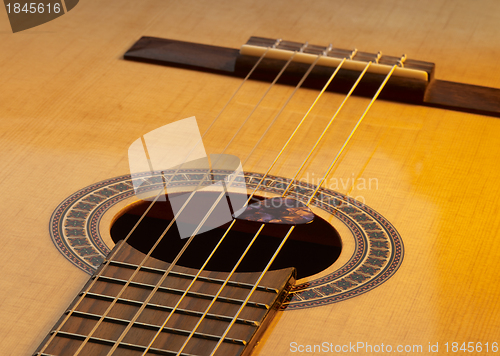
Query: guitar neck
pixel 155 288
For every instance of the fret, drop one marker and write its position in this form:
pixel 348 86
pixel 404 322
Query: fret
pixel 167 330
pixel 165 308
pixel 115 320
pixel 189 276
pixel 204 336
pixel 107 342
pixel 157 351
pixel 142 348
pixel 180 291
pixel 152 350
pixel 149 305
pixel 67 336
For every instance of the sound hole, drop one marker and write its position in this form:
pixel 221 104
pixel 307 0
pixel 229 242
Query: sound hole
pixel 311 247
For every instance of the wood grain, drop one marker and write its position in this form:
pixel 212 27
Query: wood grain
pixel 70 107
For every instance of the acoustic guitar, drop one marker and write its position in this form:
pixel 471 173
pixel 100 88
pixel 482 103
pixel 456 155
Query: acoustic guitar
pixel 400 257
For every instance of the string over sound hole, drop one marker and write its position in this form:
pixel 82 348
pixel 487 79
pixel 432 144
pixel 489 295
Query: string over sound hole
pixel 311 247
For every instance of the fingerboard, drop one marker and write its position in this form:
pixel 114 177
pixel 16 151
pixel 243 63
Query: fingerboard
pixel 103 288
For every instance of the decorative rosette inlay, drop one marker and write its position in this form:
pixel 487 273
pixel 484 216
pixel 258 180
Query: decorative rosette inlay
pixel 378 251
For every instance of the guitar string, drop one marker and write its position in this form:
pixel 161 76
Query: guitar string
pixel 136 271
pixel 111 256
pixel 248 200
pixel 166 230
pixel 214 298
pixel 327 173
pixel 255 190
pixel 130 325
pixel 299 169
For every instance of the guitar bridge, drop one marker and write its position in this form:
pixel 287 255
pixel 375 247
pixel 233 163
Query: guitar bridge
pixel 414 83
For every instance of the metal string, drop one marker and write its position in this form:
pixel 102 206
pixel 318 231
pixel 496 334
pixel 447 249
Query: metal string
pixel 109 257
pixel 248 247
pixel 286 237
pixel 213 206
pixel 327 173
pixel 173 263
pixel 260 183
pixel 166 230
pixel 262 226
pixel 248 200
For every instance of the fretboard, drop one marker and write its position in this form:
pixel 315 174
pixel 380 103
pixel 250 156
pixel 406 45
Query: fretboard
pixel 89 308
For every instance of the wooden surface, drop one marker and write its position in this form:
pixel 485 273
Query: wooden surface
pixel 70 107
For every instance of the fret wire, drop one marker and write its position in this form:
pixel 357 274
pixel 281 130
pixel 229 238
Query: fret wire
pixel 174 219
pixel 215 297
pixel 189 276
pixel 167 308
pixel 156 351
pixel 171 290
pixel 92 316
pixel 328 171
pixel 141 347
pixel 258 233
pixel 223 336
pixel 156 198
pixel 311 197
pixel 248 200
pixel 222 194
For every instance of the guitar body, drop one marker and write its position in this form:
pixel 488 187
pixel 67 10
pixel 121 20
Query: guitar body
pixel 71 106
